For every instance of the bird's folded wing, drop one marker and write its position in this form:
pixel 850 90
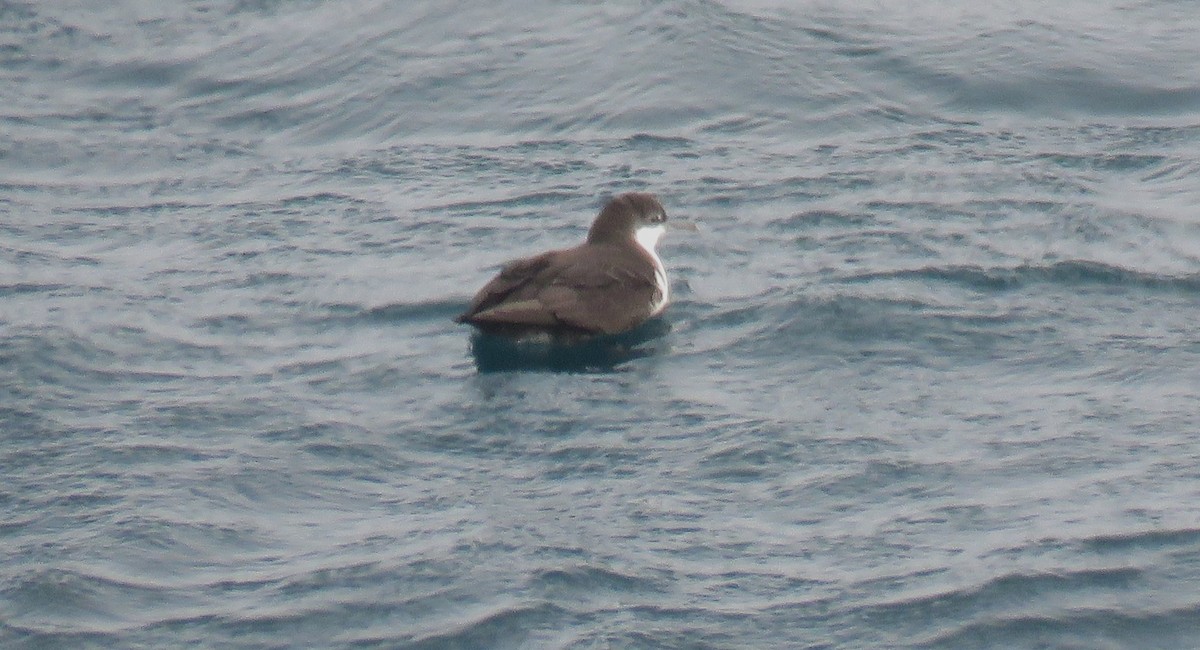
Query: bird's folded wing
pixel 571 288
pixel 599 299
pixel 515 283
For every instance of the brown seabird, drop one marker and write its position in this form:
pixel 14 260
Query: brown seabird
pixel 609 284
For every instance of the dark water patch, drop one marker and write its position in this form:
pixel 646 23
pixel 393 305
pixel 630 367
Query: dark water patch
pixel 705 638
pixel 725 193
pixel 135 454
pixel 1143 540
pixel 503 626
pixel 264 279
pixel 895 114
pixel 1027 78
pixel 420 163
pixel 974 140
pixel 895 330
pixel 1178 171
pixel 507 204
pixel 30 38
pixel 353 576
pixel 1071 273
pixel 21 415
pixel 1073 92
pixel 1105 162
pixel 59 360
pixel 753 456
pixel 278 117
pixel 169 543
pixel 145 74
pixel 316 198
pixel 399 313
pixel 766 306
pixel 368 372
pixel 933 210
pixel 317 370
pixel 1096 628
pixel 30 287
pixel 72 600
pixel 213 410
pixel 640 141
pixel 241 323
pixel 887 477
pixel 589 580
pixel 823 218
pixel 311 433
pixel 1007 592
pixel 1019 599
pixel 732 125
pixel 575 460
pixel 348 621
pixel 856 51
pixel 991 208
pixel 684 626
pixel 35 637
pixel 361 460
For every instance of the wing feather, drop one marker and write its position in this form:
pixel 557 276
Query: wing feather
pixel 601 291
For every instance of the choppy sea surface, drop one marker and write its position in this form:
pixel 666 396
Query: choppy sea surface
pixel 931 377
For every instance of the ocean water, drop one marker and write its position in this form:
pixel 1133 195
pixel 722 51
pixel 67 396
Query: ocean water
pixel 931 377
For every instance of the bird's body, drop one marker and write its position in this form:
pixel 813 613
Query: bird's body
pixel 609 284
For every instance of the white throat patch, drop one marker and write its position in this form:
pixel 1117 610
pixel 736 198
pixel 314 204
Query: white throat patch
pixel 647 237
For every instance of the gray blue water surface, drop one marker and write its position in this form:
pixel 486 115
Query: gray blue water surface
pixel 931 378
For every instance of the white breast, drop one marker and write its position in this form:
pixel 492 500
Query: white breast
pixel 647 238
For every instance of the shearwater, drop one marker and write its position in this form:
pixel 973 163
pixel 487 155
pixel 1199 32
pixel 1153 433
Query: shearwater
pixel 609 284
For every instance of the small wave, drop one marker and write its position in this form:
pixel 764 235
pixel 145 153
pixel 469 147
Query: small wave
pixel 420 311
pixel 1079 91
pixel 30 287
pixel 899 328
pixel 494 626
pixel 1009 606
pixel 650 140
pixel 1101 627
pixel 1067 273
pixel 1108 162
pixel 339 315
pixel 61 601
pixel 588 579
pixel 59 358
pixel 1150 539
pixel 524 200
pixel 1015 589
pixel 752 456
